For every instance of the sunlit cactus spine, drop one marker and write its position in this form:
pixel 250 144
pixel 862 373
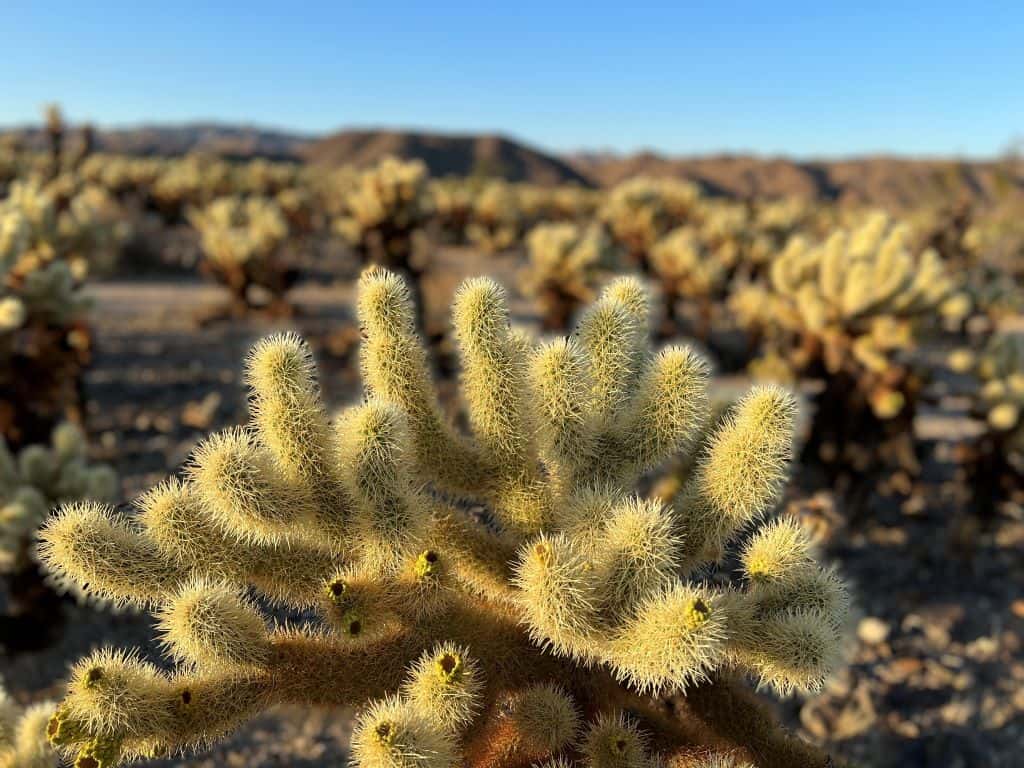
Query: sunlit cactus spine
pixel 32 481
pixel 565 261
pixel 243 242
pixel 23 741
pixel 497 597
pixel 993 458
pixel 849 310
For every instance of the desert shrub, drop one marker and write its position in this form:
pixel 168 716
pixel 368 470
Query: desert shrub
pixel 499 598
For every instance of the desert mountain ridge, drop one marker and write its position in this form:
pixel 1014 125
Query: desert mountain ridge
pixel 889 181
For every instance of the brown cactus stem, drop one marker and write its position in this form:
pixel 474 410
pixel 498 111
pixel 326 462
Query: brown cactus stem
pixel 735 715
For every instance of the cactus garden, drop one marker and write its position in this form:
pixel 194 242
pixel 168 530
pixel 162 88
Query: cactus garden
pixel 409 450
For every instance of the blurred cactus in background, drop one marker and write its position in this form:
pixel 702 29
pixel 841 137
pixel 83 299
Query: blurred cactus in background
pixel 565 262
pixel 55 136
pixel 500 599
pixel 243 242
pixel 190 182
pixel 773 223
pixel 688 271
pixel 849 311
pixel 23 741
pixel 452 202
pixel 638 212
pixel 994 458
pixel 32 482
pixel 384 211
pixel 44 340
pixel 497 222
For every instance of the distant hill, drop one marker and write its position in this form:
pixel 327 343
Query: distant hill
pixel 172 140
pixel 893 182
pixel 886 181
pixel 446 155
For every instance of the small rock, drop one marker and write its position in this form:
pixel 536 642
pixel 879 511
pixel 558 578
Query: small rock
pixel 873 631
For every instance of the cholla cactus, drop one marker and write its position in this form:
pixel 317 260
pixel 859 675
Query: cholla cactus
pixel 122 176
pixel 641 210
pixel 687 269
pixel 242 241
pixel 452 203
pixel 845 309
pixel 23 742
pixel 38 477
pixel 994 459
pixel 44 341
pixel 565 261
pixel 384 211
pixel 193 181
pixel 498 221
pixel 55 135
pixel 773 224
pixel 504 597
pixel 567 202
pixel 31 483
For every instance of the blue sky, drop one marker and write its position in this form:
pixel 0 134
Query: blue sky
pixel 820 78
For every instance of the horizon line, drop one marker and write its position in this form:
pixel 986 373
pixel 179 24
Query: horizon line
pixel 307 136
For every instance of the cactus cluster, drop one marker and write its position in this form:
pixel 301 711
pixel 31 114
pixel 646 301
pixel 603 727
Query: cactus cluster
pixel 384 211
pixel 193 181
pixel 688 270
pixel 243 239
pixel 773 223
pixel 32 481
pixel 565 261
pixel 44 339
pixel 503 597
pixel 452 204
pixel 994 458
pixel 38 477
pixel 498 221
pixel 638 212
pixel 849 309
pixel 23 742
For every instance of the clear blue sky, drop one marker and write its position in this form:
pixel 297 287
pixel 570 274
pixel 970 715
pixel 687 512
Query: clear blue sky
pixel 806 78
